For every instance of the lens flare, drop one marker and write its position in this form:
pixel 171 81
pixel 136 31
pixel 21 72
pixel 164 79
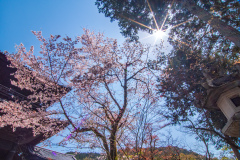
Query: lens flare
pixel 159 34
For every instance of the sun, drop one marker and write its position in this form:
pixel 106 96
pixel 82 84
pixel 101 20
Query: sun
pixel 159 34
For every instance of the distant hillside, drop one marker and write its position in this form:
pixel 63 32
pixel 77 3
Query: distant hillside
pixel 161 153
pixel 85 156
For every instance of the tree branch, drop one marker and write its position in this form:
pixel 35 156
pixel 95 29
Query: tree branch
pixel 110 93
pixel 136 73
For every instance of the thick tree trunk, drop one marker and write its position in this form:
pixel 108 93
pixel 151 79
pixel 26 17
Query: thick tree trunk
pixel 234 147
pixel 105 145
pixel 113 146
pixel 236 152
pixel 108 157
pixel 223 28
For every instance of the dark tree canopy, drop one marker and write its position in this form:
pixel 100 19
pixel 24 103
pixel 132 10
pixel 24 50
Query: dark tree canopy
pixel 223 16
pixel 206 54
pixel 137 10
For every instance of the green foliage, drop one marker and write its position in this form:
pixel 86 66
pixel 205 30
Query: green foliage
pixel 227 153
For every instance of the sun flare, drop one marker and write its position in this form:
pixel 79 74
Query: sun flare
pixel 159 34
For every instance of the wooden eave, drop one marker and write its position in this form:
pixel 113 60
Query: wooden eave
pixel 23 136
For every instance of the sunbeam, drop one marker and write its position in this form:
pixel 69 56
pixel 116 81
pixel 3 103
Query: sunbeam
pixel 166 16
pixel 158 33
pixel 137 22
pixel 153 15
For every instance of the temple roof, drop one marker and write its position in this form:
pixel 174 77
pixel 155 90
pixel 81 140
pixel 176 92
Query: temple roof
pixel 47 154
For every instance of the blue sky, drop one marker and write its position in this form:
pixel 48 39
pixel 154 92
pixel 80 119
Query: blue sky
pixel 57 17
pixel 64 17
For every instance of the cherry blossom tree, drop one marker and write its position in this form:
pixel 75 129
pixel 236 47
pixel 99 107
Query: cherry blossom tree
pixel 20 115
pixel 20 111
pixel 110 85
